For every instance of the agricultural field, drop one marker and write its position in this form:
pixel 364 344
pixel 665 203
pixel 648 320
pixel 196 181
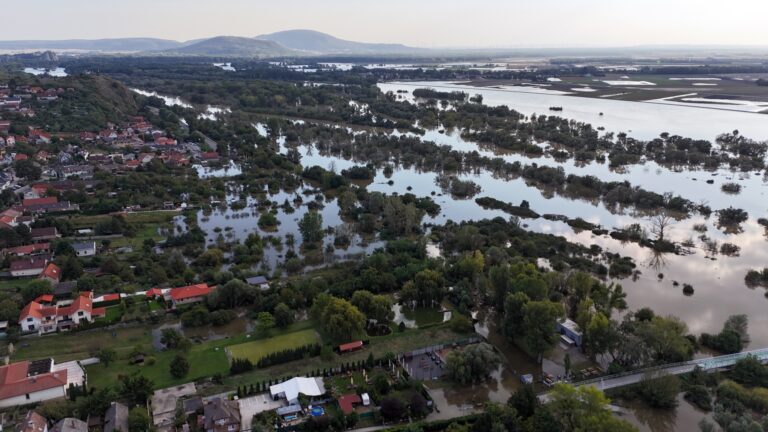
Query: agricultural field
pixel 255 350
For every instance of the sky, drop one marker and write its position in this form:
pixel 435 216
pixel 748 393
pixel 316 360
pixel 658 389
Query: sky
pixel 423 23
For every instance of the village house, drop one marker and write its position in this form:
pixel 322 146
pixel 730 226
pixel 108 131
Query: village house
pixel 36 317
pixel 258 281
pixel 44 234
pixel 28 382
pixel 221 415
pixel 116 418
pixel 84 249
pixel 187 295
pixel 28 250
pixel 27 267
pixel 32 422
pixel 80 171
pixel 70 424
pixel 51 273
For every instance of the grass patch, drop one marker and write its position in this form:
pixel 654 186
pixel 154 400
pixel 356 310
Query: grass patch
pixel 113 314
pixel 15 284
pixel 255 350
pixel 79 345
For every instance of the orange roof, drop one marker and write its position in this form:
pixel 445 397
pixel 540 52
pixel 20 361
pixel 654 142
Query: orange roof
pixel 190 291
pixel 28 249
pixel 39 201
pixel 15 382
pixel 44 298
pixel 99 312
pixel 351 346
pixel 81 303
pixel 32 309
pixel 52 271
pixel 348 401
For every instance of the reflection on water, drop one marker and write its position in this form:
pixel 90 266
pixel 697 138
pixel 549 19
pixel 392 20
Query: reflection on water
pixel 56 72
pixel 638 119
pixel 685 417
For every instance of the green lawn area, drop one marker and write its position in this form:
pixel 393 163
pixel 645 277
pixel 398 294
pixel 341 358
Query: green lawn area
pixel 113 314
pixel 79 345
pixel 204 360
pixel 152 217
pixel 14 284
pixel 255 350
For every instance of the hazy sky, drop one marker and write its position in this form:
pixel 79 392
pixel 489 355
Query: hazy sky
pixel 428 23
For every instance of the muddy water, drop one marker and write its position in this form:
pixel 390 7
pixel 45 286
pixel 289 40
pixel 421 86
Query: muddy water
pixel 685 417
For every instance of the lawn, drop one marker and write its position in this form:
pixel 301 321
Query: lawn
pixel 255 350
pixel 15 284
pixel 79 345
pixel 205 360
pixel 113 314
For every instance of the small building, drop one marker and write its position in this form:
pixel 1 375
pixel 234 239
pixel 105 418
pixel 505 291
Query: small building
pixel 29 267
pixel 291 389
pixel 570 333
pixel 44 234
pixel 258 281
pixel 188 294
pixel 221 415
pixel 526 379
pixel 70 424
pixel 28 382
pixel 28 250
pixel 366 399
pixel 350 347
pixel 116 418
pixel 32 422
pixel 51 273
pixel 84 249
pixel 64 290
pixel 348 402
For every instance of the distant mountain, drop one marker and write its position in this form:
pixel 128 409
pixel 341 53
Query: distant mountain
pixel 315 42
pixel 106 45
pixel 231 46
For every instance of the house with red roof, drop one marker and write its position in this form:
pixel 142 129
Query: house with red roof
pixel 29 202
pixel 29 382
pixel 20 156
pixel 37 317
pixel 32 266
pixel 350 347
pixel 153 293
pixel 348 402
pixel 33 422
pixel 27 250
pixel 51 273
pixel 188 294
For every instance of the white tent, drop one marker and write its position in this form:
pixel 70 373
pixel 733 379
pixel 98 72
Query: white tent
pixel 291 389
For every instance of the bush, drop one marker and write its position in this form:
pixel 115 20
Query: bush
pixel 699 396
pixel 288 355
pixel 239 366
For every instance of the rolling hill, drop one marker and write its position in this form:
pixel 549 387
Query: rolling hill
pixel 315 42
pixel 231 46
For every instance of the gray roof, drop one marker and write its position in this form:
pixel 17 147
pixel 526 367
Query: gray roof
pixel 70 424
pixel 290 409
pixel 257 280
pixel 116 418
pixel 64 289
pixel 221 409
pixel 84 245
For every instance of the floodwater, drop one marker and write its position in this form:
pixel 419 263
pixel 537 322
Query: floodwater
pixel 640 120
pixel 58 72
pixel 685 417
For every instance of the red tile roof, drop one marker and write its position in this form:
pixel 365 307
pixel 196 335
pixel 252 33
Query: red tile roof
pixel 190 291
pixel 32 309
pixel 110 297
pixel 28 249
pixel 81 303
pixel 29 263
pixel 350 346
pixel 44 298
pixel 52 271
pixel 348 401
pixel 15 382
pixel 154 292
pixel 20 156
pixel 39 201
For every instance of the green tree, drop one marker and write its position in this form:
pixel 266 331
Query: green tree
pixel 265 321
pixel 170 337
pixel 138 420
pixel 340 318
pixel 514 314
pixel 377 307
pixel 136 388
pixel 472 364
pixel 179 366
pixel 584 409
pixel 311 227
pixel 539 324
pixel 106 356
pixel 27 169
pixel 283 315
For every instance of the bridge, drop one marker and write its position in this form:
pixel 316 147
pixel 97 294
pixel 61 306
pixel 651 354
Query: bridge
pixel 628 378
pixel 706 364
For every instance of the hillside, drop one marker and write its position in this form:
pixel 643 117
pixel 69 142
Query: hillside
pixel 231 46
pixel 321 43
